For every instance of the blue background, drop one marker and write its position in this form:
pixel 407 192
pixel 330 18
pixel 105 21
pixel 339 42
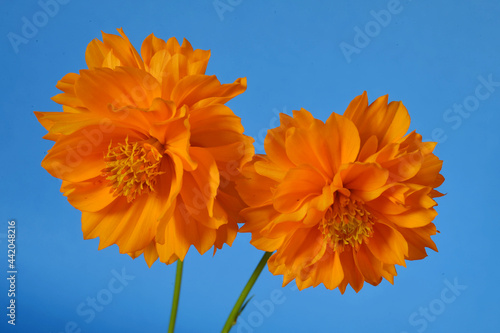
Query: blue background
pixel 429 54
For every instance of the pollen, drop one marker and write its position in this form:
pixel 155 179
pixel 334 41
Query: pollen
pixel 132 169
pixel 346 223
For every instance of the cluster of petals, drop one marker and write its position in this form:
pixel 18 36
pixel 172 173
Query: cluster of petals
pixel 147 149
pixel 343 201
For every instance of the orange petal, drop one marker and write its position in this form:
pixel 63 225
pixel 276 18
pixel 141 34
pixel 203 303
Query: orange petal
pixel 90 196
pixel 274 143
pixel 396 123
pixel 369 148
pixel 150 46
pixel 176 242
pixel 418 239
pixel 389 272
pixel 67 123
pixel 308 145
pixel 413 218
pixel 225 235
pixel 428 174
pixel 228 203
pixel 174 134
pixel 368 265
pixel 403 167
pixel 130 225
pixel 157 53
pixel 343 140
pixel 256 218
pixel 45 121
pixel 123 49
pixel 357 107
pixel 180 232
pixel 214 126
pixel 96 53
pixel 364 177
pixel 200 188
pixel 270 170
pixel 387 122
pixel 352 274
pixel 194 89
pixel 67 85
pixel 299 184
pixel 118 223
pixel 329 272
pixel 388 245
pixel 254 189
pixel 123 94
pixel 268 244
pixel 301 247
pixel 150 253
pixel 80 156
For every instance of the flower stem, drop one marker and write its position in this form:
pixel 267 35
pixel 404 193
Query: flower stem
pixel 231 320
pixel 177 292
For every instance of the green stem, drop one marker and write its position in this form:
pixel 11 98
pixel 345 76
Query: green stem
pixel 177 292
pixel 231 320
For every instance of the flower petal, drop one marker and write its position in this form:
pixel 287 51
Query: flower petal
pixel 368 265
pixel 204 90
pixel 343 140
pixel 89 196
pixel 254 189
pixel 388 245
pixel 418 239
pixel 364 177
pixel 300 183
pixel 387 122
pixel 307 144
pixel 80 156
pixel 352 274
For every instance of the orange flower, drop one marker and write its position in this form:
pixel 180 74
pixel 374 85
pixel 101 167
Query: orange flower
pixel 147 150
pixel 342 202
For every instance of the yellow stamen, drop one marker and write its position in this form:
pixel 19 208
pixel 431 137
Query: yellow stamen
pixel 132 167
pixel 346 223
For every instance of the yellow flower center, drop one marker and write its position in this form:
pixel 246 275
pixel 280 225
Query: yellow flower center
pixel 132 167
pixel 346 223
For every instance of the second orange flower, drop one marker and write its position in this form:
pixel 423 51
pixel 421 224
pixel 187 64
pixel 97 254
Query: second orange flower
pixel 342 201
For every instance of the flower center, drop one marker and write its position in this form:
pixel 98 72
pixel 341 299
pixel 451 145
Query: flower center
pixel 346 223
pixel 132 167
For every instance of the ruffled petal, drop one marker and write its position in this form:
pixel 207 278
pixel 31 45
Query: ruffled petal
pixel 202 90
pixel 387 122
pixel 352 274
pixel 300 183
pixel 363 177
pixel 89 196
pixel 343 141
pixel 388 245
pixel 80 156
pixel 418 239
pixel 369 266
pixel 308 144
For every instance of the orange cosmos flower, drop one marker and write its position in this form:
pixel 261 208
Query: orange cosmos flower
pixel 342 202
pixel 147 150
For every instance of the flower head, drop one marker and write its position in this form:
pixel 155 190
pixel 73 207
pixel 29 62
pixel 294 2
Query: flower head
pixel 146 148
pixel 342 202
